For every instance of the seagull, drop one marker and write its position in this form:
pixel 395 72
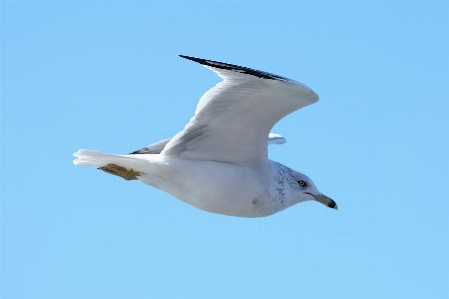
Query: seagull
pixel 219 162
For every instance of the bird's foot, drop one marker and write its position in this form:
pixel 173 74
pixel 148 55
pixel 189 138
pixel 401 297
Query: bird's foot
pixel 127 174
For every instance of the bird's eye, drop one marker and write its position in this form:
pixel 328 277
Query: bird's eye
pixel 302 183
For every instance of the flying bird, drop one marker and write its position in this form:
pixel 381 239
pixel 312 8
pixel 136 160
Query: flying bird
pixel 219 162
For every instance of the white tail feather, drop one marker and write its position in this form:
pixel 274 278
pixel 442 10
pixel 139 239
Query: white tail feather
pixel 99 159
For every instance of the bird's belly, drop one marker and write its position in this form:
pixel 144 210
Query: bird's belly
pixel 241 200
pixel 231 191
pixel 216 187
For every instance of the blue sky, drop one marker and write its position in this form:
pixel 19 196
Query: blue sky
pixel 105 76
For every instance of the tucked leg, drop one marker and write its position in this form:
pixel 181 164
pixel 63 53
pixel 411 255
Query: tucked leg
pixel 120 171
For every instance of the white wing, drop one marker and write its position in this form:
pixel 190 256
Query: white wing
pixel 233 119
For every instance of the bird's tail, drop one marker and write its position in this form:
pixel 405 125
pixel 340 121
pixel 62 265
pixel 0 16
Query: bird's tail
pixel 125 166
pixel 94 158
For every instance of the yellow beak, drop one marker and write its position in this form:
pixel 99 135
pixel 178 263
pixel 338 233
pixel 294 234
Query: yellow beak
pixel 327 201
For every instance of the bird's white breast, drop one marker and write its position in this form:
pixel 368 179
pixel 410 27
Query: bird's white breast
pixel 216 187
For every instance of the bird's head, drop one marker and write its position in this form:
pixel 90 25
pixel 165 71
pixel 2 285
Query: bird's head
pixel 306 190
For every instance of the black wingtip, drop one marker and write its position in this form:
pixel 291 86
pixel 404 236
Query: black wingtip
pixel 238 69
pixel 199 60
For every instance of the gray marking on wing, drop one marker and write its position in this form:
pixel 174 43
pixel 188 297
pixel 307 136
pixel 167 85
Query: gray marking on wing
pixel 155 148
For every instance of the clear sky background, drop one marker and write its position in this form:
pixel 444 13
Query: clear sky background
pixel 105 76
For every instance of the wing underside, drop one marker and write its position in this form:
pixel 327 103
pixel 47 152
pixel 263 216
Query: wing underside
pixel 233 119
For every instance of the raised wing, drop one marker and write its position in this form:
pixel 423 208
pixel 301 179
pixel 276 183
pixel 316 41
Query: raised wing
pixel 233 119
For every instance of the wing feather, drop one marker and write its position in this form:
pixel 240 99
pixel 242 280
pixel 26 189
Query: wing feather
pixel 233 119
